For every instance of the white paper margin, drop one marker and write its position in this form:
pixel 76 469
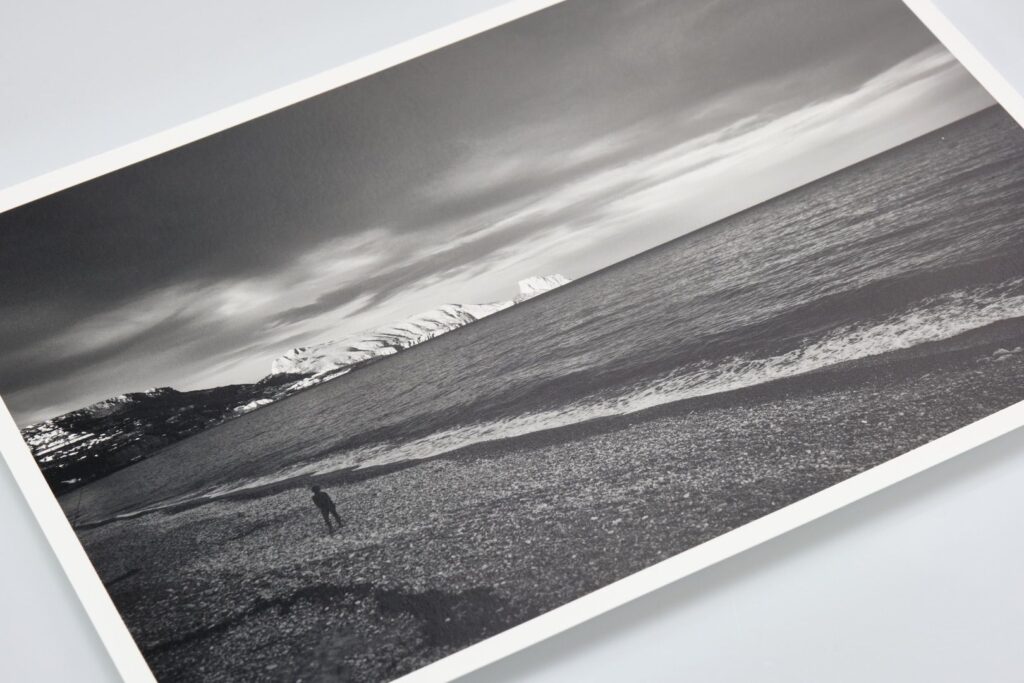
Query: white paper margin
pixel 83 577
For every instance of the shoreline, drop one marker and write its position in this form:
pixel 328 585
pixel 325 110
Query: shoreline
pixel 901 363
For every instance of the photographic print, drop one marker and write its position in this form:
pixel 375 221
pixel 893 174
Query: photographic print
pixel 358 384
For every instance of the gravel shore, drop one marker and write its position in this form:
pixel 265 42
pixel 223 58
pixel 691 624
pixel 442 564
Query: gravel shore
pixel 443 553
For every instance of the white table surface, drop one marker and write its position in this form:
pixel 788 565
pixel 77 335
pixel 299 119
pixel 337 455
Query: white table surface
pixel 920 582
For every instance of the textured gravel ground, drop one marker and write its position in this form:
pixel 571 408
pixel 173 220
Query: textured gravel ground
pixel 442 554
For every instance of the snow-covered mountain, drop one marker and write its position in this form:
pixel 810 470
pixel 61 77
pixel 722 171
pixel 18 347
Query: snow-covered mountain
pixel 532 286
pixel 336 357
pixel 77 447
pixel 91 442
pixel 342 354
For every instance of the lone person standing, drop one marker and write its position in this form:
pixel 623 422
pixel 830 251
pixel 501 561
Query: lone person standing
pixel 326 507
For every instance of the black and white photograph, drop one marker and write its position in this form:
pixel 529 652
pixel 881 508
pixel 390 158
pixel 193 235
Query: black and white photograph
pixel 356 385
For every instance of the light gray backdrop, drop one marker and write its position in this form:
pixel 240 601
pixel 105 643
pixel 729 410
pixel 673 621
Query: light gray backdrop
pixel 919 582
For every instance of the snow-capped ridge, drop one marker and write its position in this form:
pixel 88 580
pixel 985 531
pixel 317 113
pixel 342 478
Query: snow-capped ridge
pixel 533 286
pixel 114 403
pixel 362 347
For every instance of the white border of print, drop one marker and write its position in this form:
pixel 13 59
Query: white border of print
pixel 86 582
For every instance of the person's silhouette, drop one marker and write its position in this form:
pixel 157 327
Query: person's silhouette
pixel 326 506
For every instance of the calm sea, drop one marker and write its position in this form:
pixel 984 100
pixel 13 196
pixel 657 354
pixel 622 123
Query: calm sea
pixel 921 243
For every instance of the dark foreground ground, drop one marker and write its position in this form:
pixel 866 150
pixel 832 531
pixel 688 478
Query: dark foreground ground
pixel 441 554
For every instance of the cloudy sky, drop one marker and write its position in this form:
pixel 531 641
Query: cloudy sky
pixel 562 142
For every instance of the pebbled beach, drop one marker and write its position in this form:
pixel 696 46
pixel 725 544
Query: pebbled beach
pixel 441 553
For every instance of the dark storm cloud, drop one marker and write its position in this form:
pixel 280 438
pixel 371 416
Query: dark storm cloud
pixel 251 198
pixel 414 151
pixel 19 376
